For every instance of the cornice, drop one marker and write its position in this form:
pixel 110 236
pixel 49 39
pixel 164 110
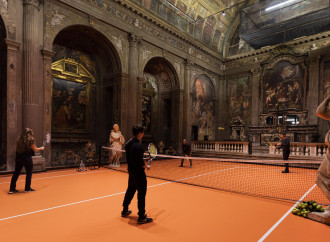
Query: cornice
pixel 298 46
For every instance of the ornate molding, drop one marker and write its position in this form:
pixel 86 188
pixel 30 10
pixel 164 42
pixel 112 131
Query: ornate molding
pixel 47 54
pixel 12 45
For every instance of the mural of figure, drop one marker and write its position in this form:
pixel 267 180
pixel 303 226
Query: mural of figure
pixel 240 98
pixel 203 108
pixel 68 105
pixel 62 118
pixel 116 141
pixel 199 27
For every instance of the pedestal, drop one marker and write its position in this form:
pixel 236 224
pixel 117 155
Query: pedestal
pixel 321 217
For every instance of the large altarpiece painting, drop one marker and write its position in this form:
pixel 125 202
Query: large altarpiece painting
pixel 70 96
pixel 283 86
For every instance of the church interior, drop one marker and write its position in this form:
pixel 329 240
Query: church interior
pixel 223 92
pixel 206 71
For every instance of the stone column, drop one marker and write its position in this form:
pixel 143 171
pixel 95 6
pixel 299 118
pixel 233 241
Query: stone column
pixel 187 109
pixel 216 118
pixel 313 90
pixel 13 102
pixel 221 110
pixel 255 96
pixel 177 118
pixel 32 89
pixel 47 129
pixel 123 105
pixel 132 85
pixel 140 82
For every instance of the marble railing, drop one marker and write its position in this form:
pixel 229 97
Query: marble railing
pixel 302 149
pixel 220 146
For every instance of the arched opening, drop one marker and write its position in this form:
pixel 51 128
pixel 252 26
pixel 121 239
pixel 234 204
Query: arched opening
pixel 160 105
pixel 85 92
pixel 3 97
pixel 203 109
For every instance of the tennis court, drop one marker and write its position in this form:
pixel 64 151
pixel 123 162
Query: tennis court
pixel 85 206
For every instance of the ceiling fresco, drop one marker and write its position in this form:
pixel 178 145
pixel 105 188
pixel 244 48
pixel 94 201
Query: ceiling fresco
pixel 205 20
pixel 261 22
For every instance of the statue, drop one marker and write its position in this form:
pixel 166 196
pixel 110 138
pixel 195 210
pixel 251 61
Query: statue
pixel 116 141
pixel 90 150
pixel 161 147
pixel 170 151
pixel 323 173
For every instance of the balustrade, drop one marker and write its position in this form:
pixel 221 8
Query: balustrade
pixel 220 146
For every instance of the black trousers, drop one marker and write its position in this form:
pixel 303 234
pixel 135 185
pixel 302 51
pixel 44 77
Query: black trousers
pixel 20 163
pixel 185 159
pixel 136 181
pixel 286 157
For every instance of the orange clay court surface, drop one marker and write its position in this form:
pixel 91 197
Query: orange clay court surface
pixel 86 206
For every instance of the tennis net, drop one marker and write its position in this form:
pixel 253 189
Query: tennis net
pixel 260 178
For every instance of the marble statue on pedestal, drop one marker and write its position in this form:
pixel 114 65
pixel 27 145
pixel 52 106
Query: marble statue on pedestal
pixel 323 173
pixel 116 141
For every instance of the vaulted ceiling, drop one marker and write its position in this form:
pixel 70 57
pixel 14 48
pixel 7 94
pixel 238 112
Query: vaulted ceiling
pixel 207 21
pixel 262 22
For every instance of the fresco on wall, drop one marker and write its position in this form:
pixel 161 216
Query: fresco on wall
pixel 83 58
pixel 151 86
pixel 146 113
pixel 240 98
pixel 203 108
pixel 283 86
pixel 68 105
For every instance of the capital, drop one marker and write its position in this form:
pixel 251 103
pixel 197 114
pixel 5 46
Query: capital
pixel 187 64
pixel 133 40
pixel 315 61
pixel 256 72
pixel 35 3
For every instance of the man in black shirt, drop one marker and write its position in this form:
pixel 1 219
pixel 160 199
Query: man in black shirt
pixel 137 179
pixel 285 146
pixel 186 152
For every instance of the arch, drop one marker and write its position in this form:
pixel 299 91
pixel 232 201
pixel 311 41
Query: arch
pixel 3 32
pixel 3 96
pixel 87 91
pixel 160 102
pixel 157 63
pixel 89 40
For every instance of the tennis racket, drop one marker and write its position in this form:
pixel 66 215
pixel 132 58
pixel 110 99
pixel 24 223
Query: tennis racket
pixel 152 150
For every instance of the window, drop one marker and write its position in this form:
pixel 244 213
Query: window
pixel 292 120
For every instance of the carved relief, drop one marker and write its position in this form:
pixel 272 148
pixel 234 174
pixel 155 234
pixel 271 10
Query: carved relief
pixel 118 42
pixel 177 67
pixel 146 54
pixel 4 4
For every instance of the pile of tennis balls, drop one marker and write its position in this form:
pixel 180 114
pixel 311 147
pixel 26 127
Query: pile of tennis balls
pixel 304 208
